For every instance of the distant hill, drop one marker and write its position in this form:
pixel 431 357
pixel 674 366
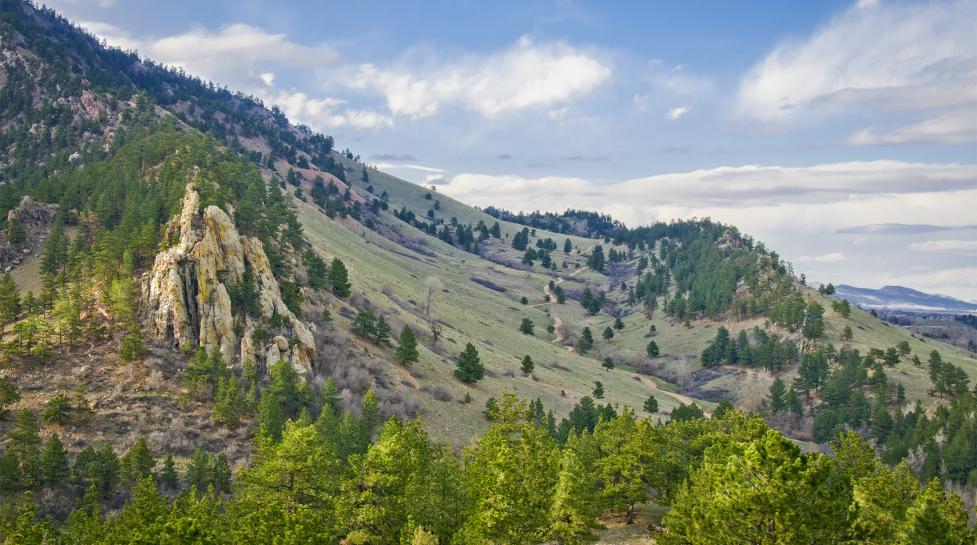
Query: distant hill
pixel 903 299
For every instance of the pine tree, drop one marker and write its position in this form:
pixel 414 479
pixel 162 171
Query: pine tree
pixel 527 327
pixel 339 278
pixel 470 368
pixel 574 508
pixel 651 405
pixel 777 393
pixel 935 520
pixel 608 334
pixel 24 443
pixel 618 323
pixel 527 365
pixel 608 363
pixel 137 463
pixel 598 391
pixel 364 324
pixel 586 341
pixel 9 301
pixel 220 473
pixel 53 462
pixel 406 352
pixel 8 395
pixel 229 401
pixel 847 333
pixel 168 476
pixel 652 349
pixel 271 415
pixel 381 332
pixel 198 470
pixel 793 402
pixel 56 410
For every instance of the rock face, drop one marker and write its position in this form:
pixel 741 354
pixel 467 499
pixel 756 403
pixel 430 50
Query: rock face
pixel 34 219
pixel 186 295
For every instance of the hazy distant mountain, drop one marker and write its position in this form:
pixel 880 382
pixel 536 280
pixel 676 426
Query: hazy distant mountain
pixel 902 298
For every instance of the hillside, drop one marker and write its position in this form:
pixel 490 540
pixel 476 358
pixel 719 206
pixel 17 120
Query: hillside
pixel 194 279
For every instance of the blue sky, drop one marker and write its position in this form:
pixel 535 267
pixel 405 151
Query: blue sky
pixel 812 125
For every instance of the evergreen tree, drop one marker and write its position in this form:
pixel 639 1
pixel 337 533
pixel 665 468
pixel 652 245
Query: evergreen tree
pixel 24 443
pixel 9 301
pixel 651 405
pixel 608 334
pixel 814 321
pixel 229 401
pixel 137 463
pixel 934 520
pixel 198 470
pixel 406 352
pixel 586 341
pixel 339 278
pixel 469 368
pixel 527 365
pixel 777 396
pixel 652 350
pixel 618 323
pixel 608 363
pixel 526 327
pixel 598 391
pixel 381 332
pixel 364 325
pixel 168 476
pixel 53 462
pixel 220 473
pixel 574 507
pixel 8 395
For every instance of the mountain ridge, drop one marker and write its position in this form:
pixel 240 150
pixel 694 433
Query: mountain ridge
pixel 902 298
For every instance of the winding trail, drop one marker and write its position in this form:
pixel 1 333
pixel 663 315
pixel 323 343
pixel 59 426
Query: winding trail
pixel 557 321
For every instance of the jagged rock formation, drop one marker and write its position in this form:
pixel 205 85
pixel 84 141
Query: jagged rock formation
pixel 33 220
pixel 186 295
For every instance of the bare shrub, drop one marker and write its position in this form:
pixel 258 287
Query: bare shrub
pixel 441 393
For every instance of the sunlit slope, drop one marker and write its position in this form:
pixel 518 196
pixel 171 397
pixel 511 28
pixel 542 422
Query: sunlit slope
pixel 394 277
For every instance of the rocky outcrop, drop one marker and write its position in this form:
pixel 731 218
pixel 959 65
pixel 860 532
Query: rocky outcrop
pixel 186 295
pixel 32 220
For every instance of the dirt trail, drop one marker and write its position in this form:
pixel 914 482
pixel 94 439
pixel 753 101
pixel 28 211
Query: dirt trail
pixel 557 322
pixel 683 398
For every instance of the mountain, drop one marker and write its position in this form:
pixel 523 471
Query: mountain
pixel 193 278
pixel 902 299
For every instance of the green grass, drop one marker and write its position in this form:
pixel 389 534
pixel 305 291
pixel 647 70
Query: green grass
pixel 393 276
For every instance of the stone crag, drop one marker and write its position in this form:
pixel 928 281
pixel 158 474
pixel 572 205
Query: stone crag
pixel 187 293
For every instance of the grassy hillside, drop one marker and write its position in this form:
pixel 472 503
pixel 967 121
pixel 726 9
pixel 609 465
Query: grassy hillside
pixel 394 277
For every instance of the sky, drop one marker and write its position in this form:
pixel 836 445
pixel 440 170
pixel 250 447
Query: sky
pixel 842 134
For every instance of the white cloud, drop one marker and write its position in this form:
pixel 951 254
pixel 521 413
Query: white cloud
pixel 230 55
pixel 764 200
pixel 268 78
pixel 677 112
pixel 955 127
pixel 526 75
pixel 892 56
pixel 322 112
pixel 834 257
pixel 966 247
